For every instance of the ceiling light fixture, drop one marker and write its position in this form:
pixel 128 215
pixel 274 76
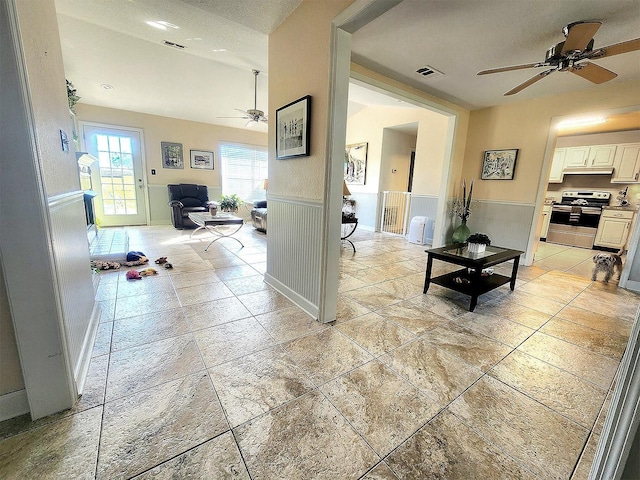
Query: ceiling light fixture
pixel 219 50
pixel 581 122
pixel 161 24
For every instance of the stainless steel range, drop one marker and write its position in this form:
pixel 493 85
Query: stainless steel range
pixel 574 221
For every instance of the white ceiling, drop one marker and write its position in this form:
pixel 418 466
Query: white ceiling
pixel 463 37
pixel 108 42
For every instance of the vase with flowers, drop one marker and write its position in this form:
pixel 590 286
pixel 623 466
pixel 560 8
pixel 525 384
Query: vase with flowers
pixel 462 208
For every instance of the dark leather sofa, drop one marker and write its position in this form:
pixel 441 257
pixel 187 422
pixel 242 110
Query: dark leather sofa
pixel 185 198
pixel 259 215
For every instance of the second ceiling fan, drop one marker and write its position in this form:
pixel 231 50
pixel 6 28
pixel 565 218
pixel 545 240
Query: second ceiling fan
pixel 253 114
pixel 571 55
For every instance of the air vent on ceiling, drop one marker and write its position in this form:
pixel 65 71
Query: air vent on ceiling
pixel 172 44
pixel 428 71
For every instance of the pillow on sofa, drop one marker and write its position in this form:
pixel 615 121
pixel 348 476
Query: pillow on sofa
pixel 259 204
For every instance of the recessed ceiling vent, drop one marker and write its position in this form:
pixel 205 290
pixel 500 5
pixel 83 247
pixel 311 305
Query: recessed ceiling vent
pixel 174 45
pixel 428 71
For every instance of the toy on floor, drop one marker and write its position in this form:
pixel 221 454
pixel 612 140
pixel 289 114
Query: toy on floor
pixel 133 275
pixel 607 263
pixel 148 271
pixel 104 265
pixel 135 258
pixel 168 266
pixel 161 260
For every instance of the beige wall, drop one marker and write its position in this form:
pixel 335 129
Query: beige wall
pixel 525 125
pixel 298 61
pixel 431 179
pixel 192 135
pixel 369 124
pixel 395 160
pixel 43 58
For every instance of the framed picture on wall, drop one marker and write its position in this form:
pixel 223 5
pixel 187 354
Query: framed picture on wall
pixel 355 163
pixel 201 159
pixel 172 155
pixel 499 164
pixel 293 130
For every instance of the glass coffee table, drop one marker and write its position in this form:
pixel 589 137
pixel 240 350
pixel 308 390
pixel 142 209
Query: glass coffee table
pixel 212 224
pixel 471 280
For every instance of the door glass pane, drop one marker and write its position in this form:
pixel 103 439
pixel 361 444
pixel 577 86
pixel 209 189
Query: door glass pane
pixel 116 175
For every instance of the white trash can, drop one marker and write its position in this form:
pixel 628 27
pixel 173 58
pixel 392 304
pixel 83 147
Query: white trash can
pixel 418 230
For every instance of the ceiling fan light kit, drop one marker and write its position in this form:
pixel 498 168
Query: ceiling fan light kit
pixel 571 55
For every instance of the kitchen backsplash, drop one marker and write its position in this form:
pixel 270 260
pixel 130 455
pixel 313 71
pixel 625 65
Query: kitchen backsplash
pixel 594 182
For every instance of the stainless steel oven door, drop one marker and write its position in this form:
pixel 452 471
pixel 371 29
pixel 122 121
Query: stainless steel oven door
pixel 576 216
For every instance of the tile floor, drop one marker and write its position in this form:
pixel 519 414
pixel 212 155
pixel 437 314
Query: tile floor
pixel 204 371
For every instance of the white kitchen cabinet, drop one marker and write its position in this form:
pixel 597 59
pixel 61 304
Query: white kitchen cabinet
pixel 576 157
pixel 556 175
pixel 613 228
pixel 546 218
pixel 590 156
pixel 626 166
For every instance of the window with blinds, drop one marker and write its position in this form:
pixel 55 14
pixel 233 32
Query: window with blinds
pixel 244 170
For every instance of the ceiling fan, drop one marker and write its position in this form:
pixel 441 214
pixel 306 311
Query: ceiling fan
pixel 253 114
pixel 571 55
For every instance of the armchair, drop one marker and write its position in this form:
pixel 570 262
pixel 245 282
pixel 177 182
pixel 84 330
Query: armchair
pixel 259 215
pixel 185 198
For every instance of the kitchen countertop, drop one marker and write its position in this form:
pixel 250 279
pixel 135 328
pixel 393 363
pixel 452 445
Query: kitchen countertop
pixel 616 207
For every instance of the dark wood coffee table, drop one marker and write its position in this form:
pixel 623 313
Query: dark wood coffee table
pixel 470 280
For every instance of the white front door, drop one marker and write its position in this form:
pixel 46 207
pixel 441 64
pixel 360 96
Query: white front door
pixel 121 198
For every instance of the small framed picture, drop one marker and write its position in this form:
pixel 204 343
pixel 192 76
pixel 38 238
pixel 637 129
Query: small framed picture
pixel 499 164
pixel 293 129
pixel 201 159
pixel 172 155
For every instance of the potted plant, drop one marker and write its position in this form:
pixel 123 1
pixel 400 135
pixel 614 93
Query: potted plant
pixel 230 203
pixel 477 243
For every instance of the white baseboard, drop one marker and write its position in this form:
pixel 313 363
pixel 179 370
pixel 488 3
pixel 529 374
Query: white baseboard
pixel 300 301
pixel 13 405
pixel 87 349
pixel 632 285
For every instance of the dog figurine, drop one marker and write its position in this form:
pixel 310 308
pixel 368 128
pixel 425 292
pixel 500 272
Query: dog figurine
pixel 607 263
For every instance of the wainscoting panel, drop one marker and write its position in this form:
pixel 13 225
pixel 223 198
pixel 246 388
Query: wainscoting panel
pixel 75 283
pixel 366 209
pixel 159 211
pixel 294 246
pixel 507 224
pixel 423 206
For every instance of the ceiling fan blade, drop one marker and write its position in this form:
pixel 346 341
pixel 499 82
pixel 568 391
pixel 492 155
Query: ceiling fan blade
pixel 579 36
pixel 592 72
pixel 529 82
pixel 508 69
pixel 233 117
pixel 618 48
